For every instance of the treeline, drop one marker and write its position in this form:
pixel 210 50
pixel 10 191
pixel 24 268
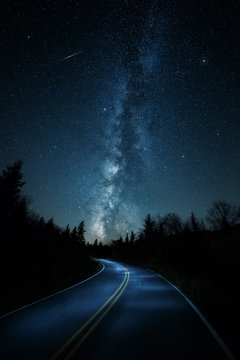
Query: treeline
pixel 37 257
pixel 171 240
pixel 203 263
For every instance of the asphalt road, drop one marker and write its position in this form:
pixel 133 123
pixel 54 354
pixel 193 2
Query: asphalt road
pixel 124 312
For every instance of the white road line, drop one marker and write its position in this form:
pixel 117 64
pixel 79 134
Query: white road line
pixel 49 296
pixel 208 325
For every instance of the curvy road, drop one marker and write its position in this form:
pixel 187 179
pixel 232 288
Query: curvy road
pixel 123 312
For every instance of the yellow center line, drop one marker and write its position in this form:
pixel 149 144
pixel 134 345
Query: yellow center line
pixel 69 341
pixel 84 337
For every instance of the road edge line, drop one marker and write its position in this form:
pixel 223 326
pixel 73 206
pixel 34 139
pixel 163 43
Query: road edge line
pixel 49 296
pixel 219 340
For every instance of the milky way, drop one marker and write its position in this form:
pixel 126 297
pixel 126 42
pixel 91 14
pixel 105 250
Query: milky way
pixel 127 141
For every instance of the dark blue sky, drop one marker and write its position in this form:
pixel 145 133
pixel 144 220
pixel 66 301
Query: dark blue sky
pixel 144 119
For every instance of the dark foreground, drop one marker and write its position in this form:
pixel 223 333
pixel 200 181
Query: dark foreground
pixel 133 313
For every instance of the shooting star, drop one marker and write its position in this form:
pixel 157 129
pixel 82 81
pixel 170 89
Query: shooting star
pixel 69 56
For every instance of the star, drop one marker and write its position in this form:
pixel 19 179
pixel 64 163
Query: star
pixel 203 60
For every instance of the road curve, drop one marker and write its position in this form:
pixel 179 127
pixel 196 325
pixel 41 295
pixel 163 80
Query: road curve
pixel 124 312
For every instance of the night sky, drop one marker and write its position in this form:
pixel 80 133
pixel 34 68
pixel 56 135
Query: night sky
pixel 121 108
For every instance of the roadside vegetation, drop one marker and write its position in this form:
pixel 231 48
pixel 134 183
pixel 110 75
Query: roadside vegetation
pixel 37 258
pixel 203 263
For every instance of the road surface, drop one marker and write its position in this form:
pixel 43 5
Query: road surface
pixel 124 312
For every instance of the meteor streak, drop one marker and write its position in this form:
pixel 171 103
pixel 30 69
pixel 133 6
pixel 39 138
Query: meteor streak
pixel 69 56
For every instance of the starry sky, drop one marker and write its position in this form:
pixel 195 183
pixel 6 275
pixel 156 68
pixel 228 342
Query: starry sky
pixel 119 108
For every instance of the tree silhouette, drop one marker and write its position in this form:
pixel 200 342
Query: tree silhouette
pixel 120 241
pixel 148 228
pixel 74 235
pixel 222 215
pixel 172 224
pixel 202 225
pixel 132 237
pixel 80 233
pixel 194 223
pixel 12 204
pixel 66 234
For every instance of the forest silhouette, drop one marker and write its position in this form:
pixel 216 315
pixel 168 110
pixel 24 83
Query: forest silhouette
pixel 37 257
